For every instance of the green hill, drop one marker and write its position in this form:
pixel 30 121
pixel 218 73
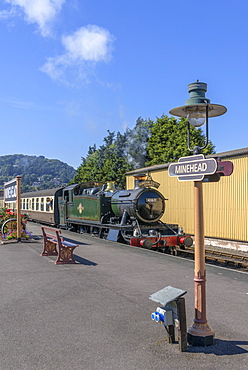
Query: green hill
pixel 37 172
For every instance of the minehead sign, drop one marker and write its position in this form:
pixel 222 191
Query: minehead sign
pixel 10 191
pixel 193 168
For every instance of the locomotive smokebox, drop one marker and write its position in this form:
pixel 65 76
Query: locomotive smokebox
pixel 145 204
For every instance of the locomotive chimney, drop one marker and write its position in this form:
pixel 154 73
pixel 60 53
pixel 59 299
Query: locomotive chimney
pixel 110 186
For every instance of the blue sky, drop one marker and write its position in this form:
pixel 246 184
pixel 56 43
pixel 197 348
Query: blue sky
pixel 72 69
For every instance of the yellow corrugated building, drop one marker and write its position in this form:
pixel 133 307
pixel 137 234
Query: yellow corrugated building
pixel 225 202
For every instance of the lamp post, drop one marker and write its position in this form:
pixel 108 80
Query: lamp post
pixel 197 110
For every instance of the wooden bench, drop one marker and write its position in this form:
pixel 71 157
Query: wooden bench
pixel 55 245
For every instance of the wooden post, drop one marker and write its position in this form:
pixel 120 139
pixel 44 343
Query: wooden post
pixel 182 329
pixel 170 333
pixel 18 207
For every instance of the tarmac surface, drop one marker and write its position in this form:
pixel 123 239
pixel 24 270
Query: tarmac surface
pixel 96 314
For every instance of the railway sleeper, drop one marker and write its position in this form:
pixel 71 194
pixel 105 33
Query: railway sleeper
pixel 227 261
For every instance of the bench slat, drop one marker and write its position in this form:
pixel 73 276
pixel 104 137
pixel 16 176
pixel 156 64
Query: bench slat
pixel 69 244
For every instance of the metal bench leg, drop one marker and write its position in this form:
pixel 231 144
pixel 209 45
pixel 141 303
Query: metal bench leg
pixel 65 255
pixel 49 248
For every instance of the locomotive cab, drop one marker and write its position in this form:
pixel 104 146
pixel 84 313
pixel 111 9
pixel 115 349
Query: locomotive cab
pixel 85 206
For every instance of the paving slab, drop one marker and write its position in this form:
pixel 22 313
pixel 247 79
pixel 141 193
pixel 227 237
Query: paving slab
pixel 96 314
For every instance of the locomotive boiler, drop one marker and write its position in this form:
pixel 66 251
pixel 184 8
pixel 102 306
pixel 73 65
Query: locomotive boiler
pixel 145 204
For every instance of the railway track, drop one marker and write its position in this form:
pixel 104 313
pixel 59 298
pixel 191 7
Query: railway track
pixel 232 260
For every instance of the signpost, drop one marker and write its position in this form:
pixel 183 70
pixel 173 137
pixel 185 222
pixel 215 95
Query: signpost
pixel 197 110
pixel 197 168
pixel 193 168
pixel 10 190
pixel 12 193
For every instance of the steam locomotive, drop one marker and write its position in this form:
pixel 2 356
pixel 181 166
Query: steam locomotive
pixel 131 216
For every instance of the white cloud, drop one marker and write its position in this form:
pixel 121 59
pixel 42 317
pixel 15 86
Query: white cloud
pixel 90 43
pixel 41 12
pixel 83 49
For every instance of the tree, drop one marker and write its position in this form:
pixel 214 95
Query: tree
pixel 121 144
pixel 108 163
pixel 87 171
pixel 148 143
pixel 168 141
pixel 114 166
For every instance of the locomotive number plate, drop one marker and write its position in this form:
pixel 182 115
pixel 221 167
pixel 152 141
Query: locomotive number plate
pixel 151 200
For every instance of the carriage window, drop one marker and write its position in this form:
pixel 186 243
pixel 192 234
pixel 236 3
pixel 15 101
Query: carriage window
pixel 26 203
pixel 37 204
pixel 32 205
pixel 42 204
pixel 49 204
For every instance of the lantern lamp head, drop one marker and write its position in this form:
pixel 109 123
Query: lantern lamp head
pixel 198 105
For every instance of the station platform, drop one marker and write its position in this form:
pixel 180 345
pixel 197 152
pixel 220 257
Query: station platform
pixel 96 314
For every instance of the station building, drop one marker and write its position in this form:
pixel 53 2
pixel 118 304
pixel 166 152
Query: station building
pixel 225 202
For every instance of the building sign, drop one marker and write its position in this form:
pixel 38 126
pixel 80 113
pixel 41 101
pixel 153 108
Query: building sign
pixel 193 168
pixel 10 191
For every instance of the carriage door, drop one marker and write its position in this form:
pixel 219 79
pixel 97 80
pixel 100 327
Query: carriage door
pixel 62 209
